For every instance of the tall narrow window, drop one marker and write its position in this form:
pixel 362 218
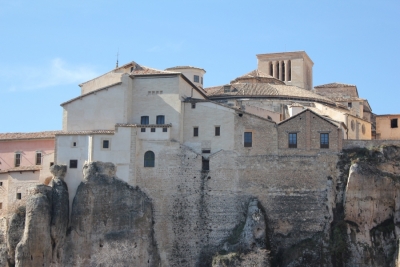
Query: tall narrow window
pixel 289 70
pixel 19 195
pixel 17 159
pixel 205 164
pixel 160 119
pixel 283 70
pixel 271 69
pixel 324 137
pixel 201 80
pixel 217 130
pixel 38 158
pixel 248 139
pixel 1 206
pixel 277 70
pixel 196 78
pixel 149 159
pixel 350 105
pixel 292 140
pixel 195 131
pixel 144 120
pixel 393 123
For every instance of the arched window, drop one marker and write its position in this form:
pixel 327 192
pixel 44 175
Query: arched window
pixel 149 159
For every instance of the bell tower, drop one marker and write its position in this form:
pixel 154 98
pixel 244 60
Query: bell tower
pixel 293 68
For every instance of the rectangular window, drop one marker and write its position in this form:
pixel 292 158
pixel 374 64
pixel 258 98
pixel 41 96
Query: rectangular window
pixel 1 183
pixel 193 105
pixel 153 130
pixel 206 151
pixel 393 123
pixel 73 164
pixel 201 80
pixel 19 195
pixel 350 105
pixel 160 119
pixel 165 130
pixel 143 130
pixel 17 159
pixel 248 139
pixel 106 144
pixel 196 78
pixel 144 120
pixel 74 144
pixel 217 131
pixel 324 137
pixel 205 164
pixel 196 131
pixel 38 158
pixel 292 140
pixel 51 164
pixel 1 206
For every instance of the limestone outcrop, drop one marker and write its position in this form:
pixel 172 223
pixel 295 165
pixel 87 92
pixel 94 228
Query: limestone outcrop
pixel 247 245
pixel 111 222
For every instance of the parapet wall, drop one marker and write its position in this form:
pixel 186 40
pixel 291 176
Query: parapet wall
pixel 347 144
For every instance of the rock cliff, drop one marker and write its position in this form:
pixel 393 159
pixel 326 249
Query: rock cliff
pixel 351 218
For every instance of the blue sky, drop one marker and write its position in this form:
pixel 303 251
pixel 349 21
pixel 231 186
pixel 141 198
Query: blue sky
pixel 48 47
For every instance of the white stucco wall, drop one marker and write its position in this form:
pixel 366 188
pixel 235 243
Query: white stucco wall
pixel 101 110
pixel 206 116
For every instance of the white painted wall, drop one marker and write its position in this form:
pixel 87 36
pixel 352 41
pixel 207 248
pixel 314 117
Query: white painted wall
pixel 206 116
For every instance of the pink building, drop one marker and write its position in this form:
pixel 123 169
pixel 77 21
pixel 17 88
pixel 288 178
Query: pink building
pixel 25 159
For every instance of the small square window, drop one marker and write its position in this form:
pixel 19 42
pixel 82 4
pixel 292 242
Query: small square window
pixel 217 130
pixel 143 130
pixel 196 78
pixel 73 164
pixel 248 139
pixel 19 195
pixel 195 131
pixel 292 140
pixel 1 183
pixel 106 144
pixel 74 144
pixel 193 105
pixel 393 123
pixel 38 158
pixel 153 130
pixel 51 164
pixel 165 130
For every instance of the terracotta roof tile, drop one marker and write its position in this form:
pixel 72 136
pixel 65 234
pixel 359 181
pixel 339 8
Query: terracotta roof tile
pixel 86 132
pixel 22 168
pixel 334 85
pixel 265 89
pixel 25 136
pixel 184 67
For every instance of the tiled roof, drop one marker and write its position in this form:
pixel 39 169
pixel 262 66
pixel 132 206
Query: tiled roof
pixel 265 89
pixel 24 136
pixel 344 98
pixel 142 70
pixel 259 75
pixel 22 168
pixel 86 132
pixel 255 73
pixel 185 67
pixel 334 85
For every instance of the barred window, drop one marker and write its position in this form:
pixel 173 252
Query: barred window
pixel 324 140
pixel 292 140
pixel 38 158
pixel 17 159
